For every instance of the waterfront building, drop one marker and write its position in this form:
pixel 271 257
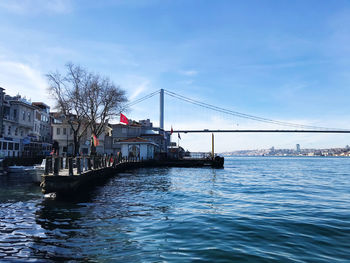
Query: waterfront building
pixel 137 148
pixel 143 129
pixel 176 152
pixel 2 100
pixel 42 123
pixel 62 135
pixel 18 137
pixel 122 132
pixel 156 135
pixel 298 148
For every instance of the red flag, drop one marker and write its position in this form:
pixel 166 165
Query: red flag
pixel 124 119
pixel 171 131
pixel 95 141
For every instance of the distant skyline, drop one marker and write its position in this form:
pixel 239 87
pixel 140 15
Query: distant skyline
pixel 282 60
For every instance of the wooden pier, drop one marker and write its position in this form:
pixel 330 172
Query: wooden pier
pixel 73 176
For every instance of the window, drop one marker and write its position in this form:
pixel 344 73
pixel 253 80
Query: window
pixel 16 146
pixel 123 130
pixel 35 127
pixel 0 145
pixel 10 145
pixel 24 115
pixel 28 116
pixel 58 131
pixel 64 131
pixel 14 113
pixel 71 131
pixel 9 130
pixel 21 132
pixel 4 145
pixel 16 131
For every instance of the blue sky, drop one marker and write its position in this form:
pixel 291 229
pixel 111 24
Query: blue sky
pixel 284 60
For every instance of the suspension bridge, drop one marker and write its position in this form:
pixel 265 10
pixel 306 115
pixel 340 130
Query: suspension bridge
pixel 290 127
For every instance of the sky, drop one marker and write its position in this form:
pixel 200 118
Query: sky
pixel 282 60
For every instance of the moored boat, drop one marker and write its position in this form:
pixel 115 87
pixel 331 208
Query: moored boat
pixel 19 169
pixel 30 172
pixel 38 172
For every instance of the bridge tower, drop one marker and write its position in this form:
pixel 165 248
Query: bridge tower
pixel 161 110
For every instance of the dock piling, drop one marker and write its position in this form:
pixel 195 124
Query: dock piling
pixel 78 165
pixel 94 164
pixel 61 163
pixel 85 164
pixel 70 166
pixel 89 163
pixel 56 166
pixel 46 172
pixel 50 164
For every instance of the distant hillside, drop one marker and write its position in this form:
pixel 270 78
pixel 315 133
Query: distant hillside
pixel 290 152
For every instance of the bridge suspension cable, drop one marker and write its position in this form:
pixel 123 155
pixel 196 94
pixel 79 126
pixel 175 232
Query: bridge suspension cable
pixel 132 103
pixel 243 115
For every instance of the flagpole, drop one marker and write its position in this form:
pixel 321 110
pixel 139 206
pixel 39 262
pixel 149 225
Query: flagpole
pixel 178 146
pixel 212 145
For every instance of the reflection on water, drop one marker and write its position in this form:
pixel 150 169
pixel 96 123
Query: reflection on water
pixel 101 224
pixel 254 210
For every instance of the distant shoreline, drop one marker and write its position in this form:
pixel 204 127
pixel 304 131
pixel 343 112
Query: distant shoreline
pixel 286 156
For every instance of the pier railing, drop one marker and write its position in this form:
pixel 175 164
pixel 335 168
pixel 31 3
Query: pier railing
pixel 59 165
pixel 198 155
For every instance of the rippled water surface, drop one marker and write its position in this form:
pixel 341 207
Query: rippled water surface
pixel 253 210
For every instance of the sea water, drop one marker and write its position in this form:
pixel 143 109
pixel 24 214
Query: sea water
pixel 256 209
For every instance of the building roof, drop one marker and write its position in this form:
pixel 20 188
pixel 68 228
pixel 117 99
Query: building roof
pixel 23 103
pixel 152 135
pixel 135 139
pixel 132 125
pixel 41 105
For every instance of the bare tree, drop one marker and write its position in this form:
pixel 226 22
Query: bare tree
pixel 86 99
pixel 67 91
pixel 101 100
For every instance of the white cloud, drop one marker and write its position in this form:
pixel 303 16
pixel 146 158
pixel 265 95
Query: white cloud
pixel 37 6
pixel 134 85
pixel 138 89
pixel 18 78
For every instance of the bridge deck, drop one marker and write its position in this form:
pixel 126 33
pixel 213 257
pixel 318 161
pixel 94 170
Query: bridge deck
pixel 262 131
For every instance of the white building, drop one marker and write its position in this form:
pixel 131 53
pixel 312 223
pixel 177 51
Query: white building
pixel 142 129
pixel 138 148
